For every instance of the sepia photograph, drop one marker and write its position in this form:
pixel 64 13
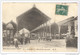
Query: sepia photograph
pixel 39 27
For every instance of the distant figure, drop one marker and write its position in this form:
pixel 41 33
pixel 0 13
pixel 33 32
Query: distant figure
pixel 16 42
pixel 39 39
pixel 27 38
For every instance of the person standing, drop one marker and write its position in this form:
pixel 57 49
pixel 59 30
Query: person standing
pixel 39 39
pixel 16 42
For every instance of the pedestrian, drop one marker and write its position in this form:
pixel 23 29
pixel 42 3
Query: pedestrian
pixel 27 38
pixel 39 39
pixel 16 42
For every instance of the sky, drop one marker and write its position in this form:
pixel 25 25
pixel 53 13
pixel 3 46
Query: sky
pixel 11 10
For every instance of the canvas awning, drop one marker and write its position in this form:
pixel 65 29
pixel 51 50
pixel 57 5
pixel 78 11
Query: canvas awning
pixel 24 30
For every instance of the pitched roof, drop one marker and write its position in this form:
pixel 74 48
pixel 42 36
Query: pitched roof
pixel 31 19
pixel 64 22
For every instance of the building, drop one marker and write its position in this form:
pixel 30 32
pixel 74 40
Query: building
pixel 31 19
pixel 71 25
pixel 9 31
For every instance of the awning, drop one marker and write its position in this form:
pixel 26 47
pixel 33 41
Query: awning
pixel 24 30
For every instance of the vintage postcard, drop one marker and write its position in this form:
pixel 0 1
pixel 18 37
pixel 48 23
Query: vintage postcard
pixel 40 27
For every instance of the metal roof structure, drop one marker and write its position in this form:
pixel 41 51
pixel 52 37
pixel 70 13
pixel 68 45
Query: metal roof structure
pixel 31 19
pixel 64 22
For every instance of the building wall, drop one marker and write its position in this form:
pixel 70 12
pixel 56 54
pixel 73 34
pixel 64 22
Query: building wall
pixel 76 28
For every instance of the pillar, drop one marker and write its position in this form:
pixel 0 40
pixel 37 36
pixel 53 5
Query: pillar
pixel 69 28
pixel 59 31
pixel 76 27
pixel 50 29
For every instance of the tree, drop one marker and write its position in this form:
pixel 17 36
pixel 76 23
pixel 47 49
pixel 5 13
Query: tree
pixel 4 26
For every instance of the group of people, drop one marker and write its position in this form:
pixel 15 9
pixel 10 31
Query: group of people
pixel 21 39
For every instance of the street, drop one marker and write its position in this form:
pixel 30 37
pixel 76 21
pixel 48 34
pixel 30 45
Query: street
pixel 55 45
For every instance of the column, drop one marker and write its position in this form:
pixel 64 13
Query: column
pixel 59 31
pixel 69 28
pixel 76 27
